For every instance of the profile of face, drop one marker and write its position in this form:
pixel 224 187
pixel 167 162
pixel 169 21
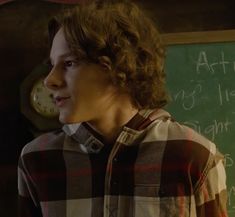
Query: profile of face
pixel 82 91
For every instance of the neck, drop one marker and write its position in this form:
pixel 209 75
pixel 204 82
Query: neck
pixel 115 117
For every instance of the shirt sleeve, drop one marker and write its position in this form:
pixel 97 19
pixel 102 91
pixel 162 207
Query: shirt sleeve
pixel 211 194
pixel 28 205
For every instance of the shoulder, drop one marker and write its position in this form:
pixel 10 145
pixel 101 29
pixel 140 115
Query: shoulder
pixel 45 151
pixel 179 136
pixel 184 149
pixel 45 142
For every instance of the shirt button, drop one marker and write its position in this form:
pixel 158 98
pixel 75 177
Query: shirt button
pixel 115 159
pixel 94 147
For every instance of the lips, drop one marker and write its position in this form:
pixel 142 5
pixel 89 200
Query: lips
pixel 60 101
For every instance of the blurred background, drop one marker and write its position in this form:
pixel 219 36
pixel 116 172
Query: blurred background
pixel 24 46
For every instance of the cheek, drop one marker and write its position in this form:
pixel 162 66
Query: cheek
pixel 88 91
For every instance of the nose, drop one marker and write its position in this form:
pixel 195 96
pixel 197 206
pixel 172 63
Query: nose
pixel 54 79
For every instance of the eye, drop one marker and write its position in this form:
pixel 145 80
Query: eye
pixel 69 63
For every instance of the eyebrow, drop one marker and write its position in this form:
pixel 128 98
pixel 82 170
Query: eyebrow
pixel 61 56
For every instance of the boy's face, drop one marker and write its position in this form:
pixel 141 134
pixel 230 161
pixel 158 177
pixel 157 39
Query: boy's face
pixel 82 91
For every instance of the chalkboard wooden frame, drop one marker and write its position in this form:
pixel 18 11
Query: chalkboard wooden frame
pixel 198 37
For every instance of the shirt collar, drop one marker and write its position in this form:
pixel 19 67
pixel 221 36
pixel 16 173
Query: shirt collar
pixel 70 129
pixel 135 123
pixel 90 142
pixel 80 133
pixel 145 117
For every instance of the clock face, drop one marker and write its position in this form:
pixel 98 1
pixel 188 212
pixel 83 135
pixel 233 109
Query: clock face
pixel 41 99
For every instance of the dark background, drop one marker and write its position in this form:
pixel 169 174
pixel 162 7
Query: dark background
pixel 23 45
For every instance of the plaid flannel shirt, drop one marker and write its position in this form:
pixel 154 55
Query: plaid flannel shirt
pixel 156 168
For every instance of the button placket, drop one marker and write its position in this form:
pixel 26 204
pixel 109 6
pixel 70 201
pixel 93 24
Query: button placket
pixel 111 203
pixel 114 176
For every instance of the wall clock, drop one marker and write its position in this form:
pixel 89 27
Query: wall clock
pixel 36 101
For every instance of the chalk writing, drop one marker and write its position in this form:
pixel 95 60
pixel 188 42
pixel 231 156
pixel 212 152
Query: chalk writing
pixel 225 95
pixel 188 98
pixel 231 198
pixel 211 130
pixel 203 63
pixel 228 160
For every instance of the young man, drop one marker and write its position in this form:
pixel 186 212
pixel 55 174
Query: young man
pixel 119 154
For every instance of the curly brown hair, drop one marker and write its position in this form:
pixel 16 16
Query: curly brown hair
pixel 126 37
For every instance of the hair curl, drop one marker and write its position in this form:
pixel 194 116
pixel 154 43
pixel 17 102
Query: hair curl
pixel 127 37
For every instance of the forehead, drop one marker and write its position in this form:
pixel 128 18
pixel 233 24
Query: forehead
pixel 59 45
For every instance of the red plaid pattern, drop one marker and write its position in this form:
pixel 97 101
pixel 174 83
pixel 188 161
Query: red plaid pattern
pixel 156 168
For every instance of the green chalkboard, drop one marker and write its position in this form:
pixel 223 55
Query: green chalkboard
pixel 201 81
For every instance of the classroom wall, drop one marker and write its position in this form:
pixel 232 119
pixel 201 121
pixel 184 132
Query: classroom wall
pixel 23 45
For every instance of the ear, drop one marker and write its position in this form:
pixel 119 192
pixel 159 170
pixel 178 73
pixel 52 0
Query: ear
pixel 105 62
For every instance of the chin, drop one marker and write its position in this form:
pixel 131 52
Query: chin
pixel 68 119
pixel 65 119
